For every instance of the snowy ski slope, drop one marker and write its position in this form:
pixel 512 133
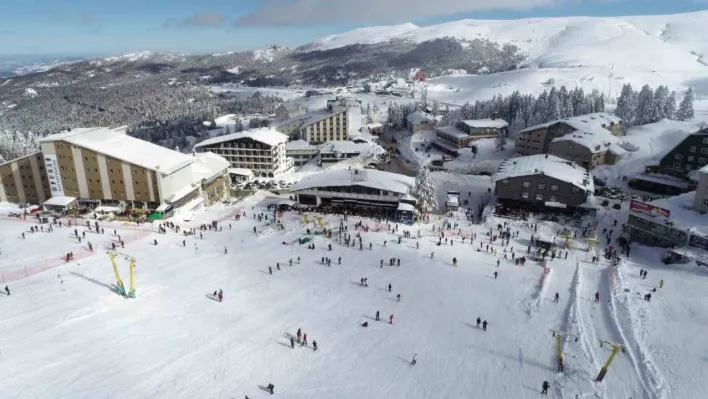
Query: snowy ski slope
pixel 66 334
pixel 600 53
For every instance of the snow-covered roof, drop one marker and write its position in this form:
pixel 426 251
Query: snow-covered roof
pixel 374 125
pixel 587 122
pixel 299 145
pixel 117 144
pixel 703 170
pixel 420 117
pixel 59 201
pixel 595 139
pixel 208 165
pixel 452 131
pixel 264 135
pixel 373 178
pixel 549 165
pixel 486 123
pixel 241 171
pixel 350 147
pixel 291 106
pixel 406 207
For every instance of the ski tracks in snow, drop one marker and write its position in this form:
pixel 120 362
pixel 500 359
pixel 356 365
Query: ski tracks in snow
pixel 625 314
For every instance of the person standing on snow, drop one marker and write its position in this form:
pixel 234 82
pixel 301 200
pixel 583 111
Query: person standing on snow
pixel 597 297
pixel 299 333
pixel 377 316
pixel 555 299
pixel 479 321
pixel 389 287
pixel 484 325
pixel 221 295
pixel 544 388
pixel 314 345
pixel 390 319
pixel 7 290
pixel 270 270
pixel 304 339
pixel 495 275
pixel 414 361
pixel 292 342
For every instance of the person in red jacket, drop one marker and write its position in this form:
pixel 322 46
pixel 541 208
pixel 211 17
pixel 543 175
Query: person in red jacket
pixel 390 319
pixel 299 333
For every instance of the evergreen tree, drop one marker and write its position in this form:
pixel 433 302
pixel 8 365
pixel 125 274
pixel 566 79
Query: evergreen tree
pixel 517 124
pixel 369 114
pixel 554 107
pixel 424 98
pixel 626 105
pixel 645 104
pixel 500 140
pixel 670 106
pixel 661 96
pixel 685 110
pixel 435 108
pixel 425 191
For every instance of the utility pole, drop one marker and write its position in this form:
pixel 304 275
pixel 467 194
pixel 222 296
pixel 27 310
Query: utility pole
pixel 558 335
pixel 615 348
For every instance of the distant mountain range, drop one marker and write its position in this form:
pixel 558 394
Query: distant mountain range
pixel 499 57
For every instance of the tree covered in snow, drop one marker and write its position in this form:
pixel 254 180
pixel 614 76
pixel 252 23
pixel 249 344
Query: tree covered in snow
pixel 626 105
pixel 16 145
pixel 369 114
pixel 645 106
pixel 685 110
pixel 661 97
pixel 425 191
pixel 500 140
pixel 670 106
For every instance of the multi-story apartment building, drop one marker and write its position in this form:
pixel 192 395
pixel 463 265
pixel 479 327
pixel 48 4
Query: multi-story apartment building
pixel 543 181
pixel 420 121
pixel 537 139
pixel 301 151
pixel 588 148
pixel 341 117
pixel 689 155
pixel 452 138
pixel 288 110
pixel 261 150
pixel 102 165
pixel 24 180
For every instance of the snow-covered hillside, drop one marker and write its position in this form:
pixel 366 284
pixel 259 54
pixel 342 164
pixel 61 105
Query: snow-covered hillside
pixel 594 53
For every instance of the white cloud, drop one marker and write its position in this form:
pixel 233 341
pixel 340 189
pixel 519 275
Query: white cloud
pixel 301 12
pixel 206 19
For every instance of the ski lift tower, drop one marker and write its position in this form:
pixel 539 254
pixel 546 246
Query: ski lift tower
pixel 358 175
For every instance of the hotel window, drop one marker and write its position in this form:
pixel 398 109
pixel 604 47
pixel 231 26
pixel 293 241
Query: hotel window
pixel 677 165
pixel 678 157
pixel 575 189
pixel 525 195
pixel 526 184
pixel 541 186
pixel 553 198
pixel 539 197
pixel 554 187
pixel 692 149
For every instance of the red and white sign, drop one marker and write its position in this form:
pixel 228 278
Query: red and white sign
pixel 643 207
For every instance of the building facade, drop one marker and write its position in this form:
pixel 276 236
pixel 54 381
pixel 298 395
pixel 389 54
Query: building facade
pixel 689 155
pixel 464 132
pixel 587 149
pixel 261 150
pixel 354 188
pixel 537 139
pixel 420 121
pixel 700 201
pixel 289 110
pixel 24 180
pixel 106 166
pixel 543 180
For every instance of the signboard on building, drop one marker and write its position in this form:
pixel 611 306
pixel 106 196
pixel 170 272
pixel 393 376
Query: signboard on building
pixel 53 174
pixel 643 207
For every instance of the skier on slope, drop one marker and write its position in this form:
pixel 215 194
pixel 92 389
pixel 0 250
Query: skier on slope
pixel 389 287
pixel 398 298
pixel 544 388
pixel 314 345
pixel 597 297
pixel 555 299
pixel 390 319
pixel 377 316
pixel 299 333
pixel 479 321
pixel 484 325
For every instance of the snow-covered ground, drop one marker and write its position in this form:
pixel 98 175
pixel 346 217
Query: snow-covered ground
pixel 591 52
pixel 65 333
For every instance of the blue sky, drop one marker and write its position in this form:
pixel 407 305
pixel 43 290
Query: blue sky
pixel 98 27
